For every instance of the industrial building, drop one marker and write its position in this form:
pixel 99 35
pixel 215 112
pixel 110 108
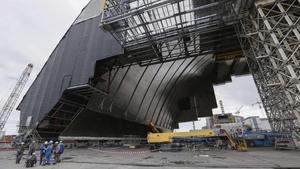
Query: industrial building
pixel 123 65
pixel 257 124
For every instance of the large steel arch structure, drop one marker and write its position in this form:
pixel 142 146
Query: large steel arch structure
pixel 268 31
pixel 155 61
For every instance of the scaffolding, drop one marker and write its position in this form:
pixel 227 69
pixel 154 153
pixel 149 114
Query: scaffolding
pixel 271 42
pixel 69 107
pixel 155 31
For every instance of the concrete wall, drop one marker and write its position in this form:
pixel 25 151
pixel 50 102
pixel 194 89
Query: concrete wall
pixel 257 123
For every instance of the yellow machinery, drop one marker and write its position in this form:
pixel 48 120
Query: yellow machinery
pixel 236 143
pixel 158 138
pixel 167 137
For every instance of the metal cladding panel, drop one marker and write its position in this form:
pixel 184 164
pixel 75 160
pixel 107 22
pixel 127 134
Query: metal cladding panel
pixel 151 93
pixel 142 90
pixel 92 10
pixel 71 63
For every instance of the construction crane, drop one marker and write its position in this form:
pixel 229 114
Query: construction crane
pixel 13 97
pixel 158 139
pixel 258 103
pixel 238 110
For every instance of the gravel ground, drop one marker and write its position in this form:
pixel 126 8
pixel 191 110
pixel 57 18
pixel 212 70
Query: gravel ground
pixel 119 158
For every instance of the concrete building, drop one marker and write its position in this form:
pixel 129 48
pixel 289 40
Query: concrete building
pixel 257 123
pixel 229 122
pixel 209 123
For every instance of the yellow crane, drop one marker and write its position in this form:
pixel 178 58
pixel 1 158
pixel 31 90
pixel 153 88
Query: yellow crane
pixel 155 137
pixel 168 137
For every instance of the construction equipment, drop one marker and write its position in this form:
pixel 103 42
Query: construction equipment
pixel 13 97
pixel 168 137
pixel 153 128
pixel 262 138
pixel 284 144
pixel 257 103
pixel 286 141
pixel 157 138
pixel 238 110
pixel 254 139
pixel 236 142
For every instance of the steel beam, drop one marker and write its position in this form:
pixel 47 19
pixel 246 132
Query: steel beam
pixel 273 55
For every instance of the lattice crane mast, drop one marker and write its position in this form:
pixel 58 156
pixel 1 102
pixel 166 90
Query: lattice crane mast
pixel 13 97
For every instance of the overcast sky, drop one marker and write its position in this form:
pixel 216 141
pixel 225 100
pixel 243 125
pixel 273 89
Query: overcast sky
pixel 30 30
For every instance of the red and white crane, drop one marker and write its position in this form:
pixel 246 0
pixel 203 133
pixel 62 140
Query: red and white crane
pixel 13 97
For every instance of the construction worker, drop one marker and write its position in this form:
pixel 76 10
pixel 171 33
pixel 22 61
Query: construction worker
pixel 31 161
pixel 31 148
pixel 20 152
pixel 59 151
pixel 48 153
pixel 55 151
pixel 219 144
pixel 43 151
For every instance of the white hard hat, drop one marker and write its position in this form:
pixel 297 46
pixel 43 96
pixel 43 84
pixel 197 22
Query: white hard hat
pixel 22 143
pixel 33 141
pixel 60 141
pixel 46 142
pixel 34 153
pixel 56 142
pixel 50 141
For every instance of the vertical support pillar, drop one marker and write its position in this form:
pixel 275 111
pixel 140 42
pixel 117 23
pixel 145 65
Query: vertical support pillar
pixel 273 53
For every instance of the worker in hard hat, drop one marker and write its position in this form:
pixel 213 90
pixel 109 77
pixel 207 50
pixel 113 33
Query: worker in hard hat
pixel 48 153
pixel 31 148
pixel 55 147
pixel 31 161
pixel 59 151
pixel 43 151
pixel 20 152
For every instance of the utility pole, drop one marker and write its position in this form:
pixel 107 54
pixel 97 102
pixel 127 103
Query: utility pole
pixel 258 103
pixel 13 97
pixel 196 110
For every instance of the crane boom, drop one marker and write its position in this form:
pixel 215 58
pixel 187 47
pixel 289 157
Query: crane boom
pixel 13 97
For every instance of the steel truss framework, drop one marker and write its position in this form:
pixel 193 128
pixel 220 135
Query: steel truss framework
pixel 72 103
pixel 13 97
pixel 154 31
pixel 272 46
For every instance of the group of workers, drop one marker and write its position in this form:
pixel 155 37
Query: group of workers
pixel 48 150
